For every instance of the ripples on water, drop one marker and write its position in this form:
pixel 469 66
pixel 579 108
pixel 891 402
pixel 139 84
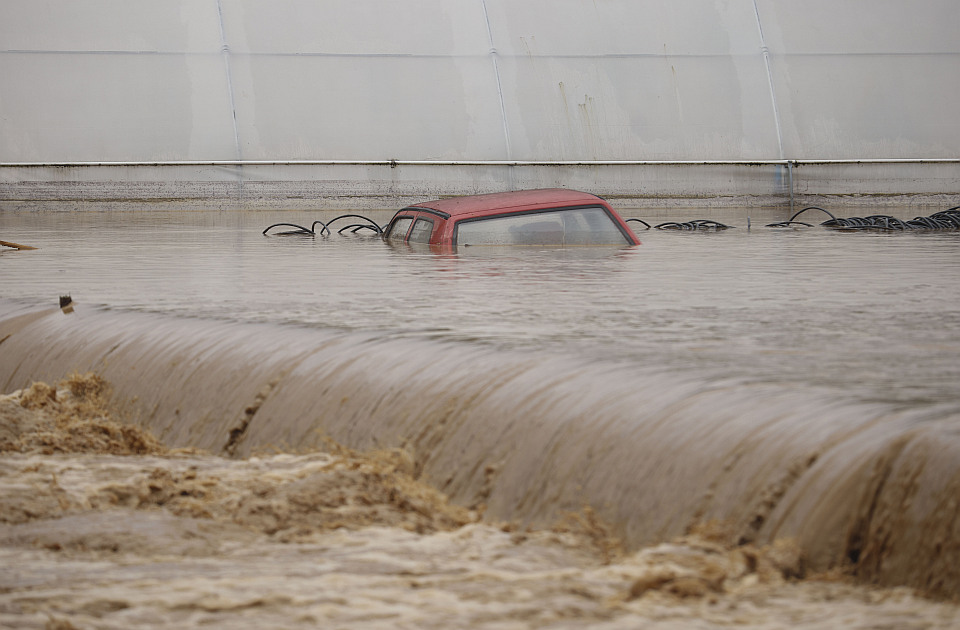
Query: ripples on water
pixel 875 315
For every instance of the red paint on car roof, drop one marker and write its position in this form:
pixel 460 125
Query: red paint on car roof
pixel 448 214
pixel 513 201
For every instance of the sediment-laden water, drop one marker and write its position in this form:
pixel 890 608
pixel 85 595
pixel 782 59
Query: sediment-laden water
pixel 105 527
pixel 738 400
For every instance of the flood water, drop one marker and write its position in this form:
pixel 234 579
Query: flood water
pixel 794 384
pixel 873 315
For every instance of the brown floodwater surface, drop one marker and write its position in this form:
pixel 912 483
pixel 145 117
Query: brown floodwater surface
pixel 796 386
pixel 873 314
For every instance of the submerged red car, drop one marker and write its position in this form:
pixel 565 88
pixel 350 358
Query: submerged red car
pixel 552 216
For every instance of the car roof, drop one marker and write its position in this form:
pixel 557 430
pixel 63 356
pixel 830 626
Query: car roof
pixel 513 201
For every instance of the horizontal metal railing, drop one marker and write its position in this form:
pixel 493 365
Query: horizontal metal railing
pixel 777 162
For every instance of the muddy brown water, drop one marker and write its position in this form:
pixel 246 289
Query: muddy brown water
pixel 791 384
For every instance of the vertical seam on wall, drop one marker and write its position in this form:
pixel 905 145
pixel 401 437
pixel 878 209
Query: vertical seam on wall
pixel 773 94
pixel 225 52
pixel 496 72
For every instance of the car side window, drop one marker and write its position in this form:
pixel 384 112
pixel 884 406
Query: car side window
pixel 398 231
pixel 421 231
pixel 568 226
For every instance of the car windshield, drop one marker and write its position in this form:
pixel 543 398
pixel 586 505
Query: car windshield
pixel 566 226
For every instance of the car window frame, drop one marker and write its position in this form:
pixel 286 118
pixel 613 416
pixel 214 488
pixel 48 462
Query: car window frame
pixel 415 213
pixel 425 219
pixel 388 236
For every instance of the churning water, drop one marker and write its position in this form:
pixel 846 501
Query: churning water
pixel 789 383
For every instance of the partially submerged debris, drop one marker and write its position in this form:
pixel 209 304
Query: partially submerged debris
pixel 15 245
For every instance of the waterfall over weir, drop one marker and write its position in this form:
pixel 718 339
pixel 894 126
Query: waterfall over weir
pixel 532 436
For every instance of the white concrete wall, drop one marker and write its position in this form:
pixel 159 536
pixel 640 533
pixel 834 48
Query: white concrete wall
pixel 477 80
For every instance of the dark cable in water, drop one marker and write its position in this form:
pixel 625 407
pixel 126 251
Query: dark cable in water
pixel 945 220
pixel 325 227
pixel 638 221
pixel 792 220
pixel 371 224
pixel 299 229
pixel 356 227
pixel 695 224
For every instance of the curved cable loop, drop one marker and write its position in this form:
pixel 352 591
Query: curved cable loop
pixel 372 224
pixel 638 221
pixel 325 227
pixel 300 229
pixel 356 227
pixel 811 208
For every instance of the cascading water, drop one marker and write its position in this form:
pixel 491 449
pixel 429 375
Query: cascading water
pixel 532 436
